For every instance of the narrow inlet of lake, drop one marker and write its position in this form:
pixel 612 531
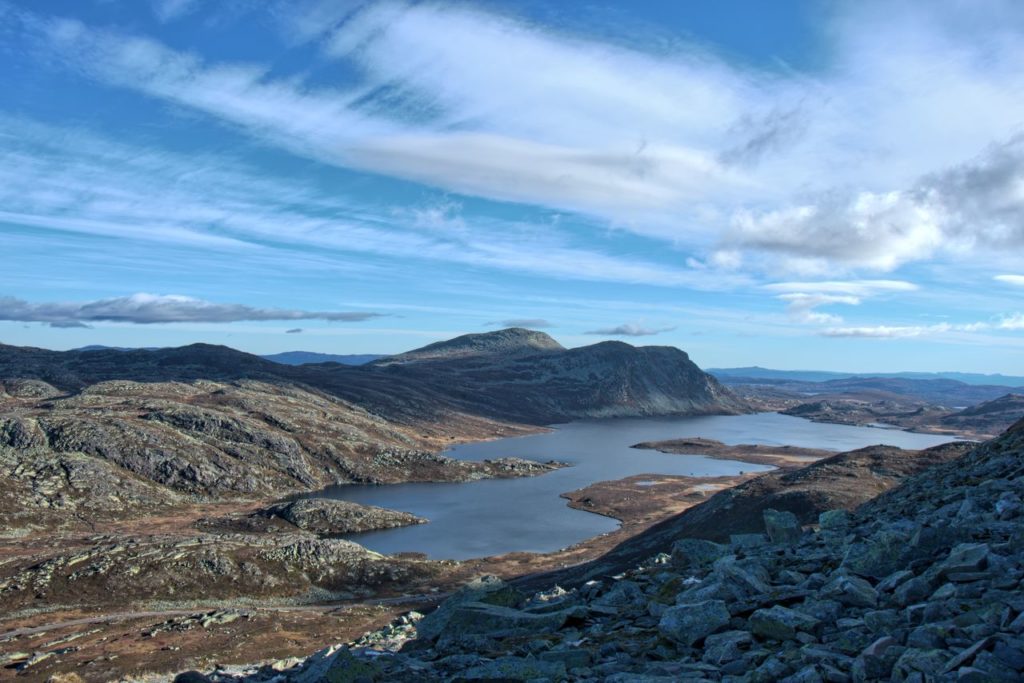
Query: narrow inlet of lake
pixel 496 516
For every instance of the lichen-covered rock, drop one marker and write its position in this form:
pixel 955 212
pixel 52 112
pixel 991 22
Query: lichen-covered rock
pixel 690 623
pixel 693 553
pixel 782 527
pixel 781 623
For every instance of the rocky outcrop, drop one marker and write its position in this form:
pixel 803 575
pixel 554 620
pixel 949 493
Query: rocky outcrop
pixel 323 517
pixel 923 583
pixel 330 517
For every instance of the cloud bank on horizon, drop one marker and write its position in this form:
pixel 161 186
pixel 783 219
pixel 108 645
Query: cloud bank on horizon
pixel 151 309
pixel 500 156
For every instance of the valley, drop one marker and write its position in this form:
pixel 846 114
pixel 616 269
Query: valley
pixel 226 500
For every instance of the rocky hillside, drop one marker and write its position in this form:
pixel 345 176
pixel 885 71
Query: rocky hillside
pixel 990 417
pixel 120 448
pixel 922 583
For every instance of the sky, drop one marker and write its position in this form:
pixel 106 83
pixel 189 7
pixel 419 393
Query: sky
pixel 827 185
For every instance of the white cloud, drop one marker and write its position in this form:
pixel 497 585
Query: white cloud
pixel 145 309
pixel 803 298
pixel 886 331
pixel 801 306
pixel 1012 322
pixel 979 203
pixel 860 165
pixel 1011 279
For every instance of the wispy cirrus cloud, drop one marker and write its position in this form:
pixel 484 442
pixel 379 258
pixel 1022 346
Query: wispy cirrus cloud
pixel 148 309
pixel 72 180
pixel 629 330
pixel 861 165
pixel 1011 322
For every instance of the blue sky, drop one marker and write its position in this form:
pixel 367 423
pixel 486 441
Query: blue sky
pixel 795 185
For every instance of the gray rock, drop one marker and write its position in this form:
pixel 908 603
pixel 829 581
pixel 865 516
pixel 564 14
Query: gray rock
pixel 691 623
pixel 782 623
pixel 720 648
pixel 515 669
pixel 879 556
pixel 881 621
pixel 965 557
pixel 624 595
pixel 782 527
pixel 478 590
pixel 747 541
pixel 877 660
pixel 851 590
pixel 808 674
pixel 912 591
pixel 694 553
pixel 926 663
pixel 478 618
pixel 573 658
pixel 834 520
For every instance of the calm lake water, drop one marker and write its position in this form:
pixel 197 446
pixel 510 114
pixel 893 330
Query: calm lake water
pixel 495 516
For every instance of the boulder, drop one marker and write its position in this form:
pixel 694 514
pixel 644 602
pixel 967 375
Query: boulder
pixel 695 553
pixel 782 623
pixel 691 623
pixel 782 527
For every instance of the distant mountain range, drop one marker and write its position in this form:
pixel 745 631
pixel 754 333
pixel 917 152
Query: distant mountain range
pixel 756 372
pixel 513 374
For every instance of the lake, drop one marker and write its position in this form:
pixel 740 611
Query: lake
pixel 495 516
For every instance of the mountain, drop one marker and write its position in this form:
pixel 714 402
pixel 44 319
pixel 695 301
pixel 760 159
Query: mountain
pixel 305 357
pixel 507 343
pixel 748 374
pixel 527 376
pixel 936 392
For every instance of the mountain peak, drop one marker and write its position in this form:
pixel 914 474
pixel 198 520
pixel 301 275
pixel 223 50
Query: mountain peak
pixel 511 341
